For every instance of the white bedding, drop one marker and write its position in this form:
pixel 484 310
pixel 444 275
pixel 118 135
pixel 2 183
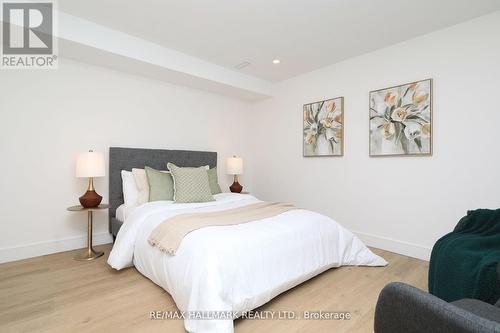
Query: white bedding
pixel 239 267
pixel 123 212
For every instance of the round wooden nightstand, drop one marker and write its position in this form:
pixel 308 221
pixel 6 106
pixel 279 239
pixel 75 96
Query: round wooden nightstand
pixel 89 253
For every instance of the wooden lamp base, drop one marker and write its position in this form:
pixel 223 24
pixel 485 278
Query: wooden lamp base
pixel 90 199
pixel 235 187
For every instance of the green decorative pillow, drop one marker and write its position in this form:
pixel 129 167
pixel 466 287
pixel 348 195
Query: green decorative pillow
pixel 213 181
pixel 190 184
pixel 161 185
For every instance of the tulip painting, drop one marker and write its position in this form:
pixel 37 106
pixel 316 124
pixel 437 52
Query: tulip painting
pixel 401 120
pixel 323 133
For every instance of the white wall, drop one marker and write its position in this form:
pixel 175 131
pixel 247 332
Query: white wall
pixel 401 204
pixel 48 117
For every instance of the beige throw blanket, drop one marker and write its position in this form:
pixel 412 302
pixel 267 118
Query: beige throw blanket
pixel 168 235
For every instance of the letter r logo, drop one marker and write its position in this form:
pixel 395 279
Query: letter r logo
pixel 27 28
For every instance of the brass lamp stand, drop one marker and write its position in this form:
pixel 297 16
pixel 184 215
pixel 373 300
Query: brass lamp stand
pixel 89 253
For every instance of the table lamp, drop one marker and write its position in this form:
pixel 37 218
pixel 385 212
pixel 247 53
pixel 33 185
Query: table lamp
pixel 90 165
pixel 234 166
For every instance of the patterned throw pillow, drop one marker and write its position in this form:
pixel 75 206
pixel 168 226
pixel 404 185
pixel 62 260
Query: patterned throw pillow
pixel 190 184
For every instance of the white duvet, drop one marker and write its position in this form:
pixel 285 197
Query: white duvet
pixel 235 268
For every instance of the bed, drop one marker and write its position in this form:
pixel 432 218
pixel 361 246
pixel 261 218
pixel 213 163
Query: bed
pixel 220 272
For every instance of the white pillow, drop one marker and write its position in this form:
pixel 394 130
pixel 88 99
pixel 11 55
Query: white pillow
pixel 130 191
pixel 142 185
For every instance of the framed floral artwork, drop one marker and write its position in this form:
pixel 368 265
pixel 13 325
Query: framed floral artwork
pixel 401 120
pixel 323 130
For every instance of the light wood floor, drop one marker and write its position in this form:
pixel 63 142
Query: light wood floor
pixel 57 294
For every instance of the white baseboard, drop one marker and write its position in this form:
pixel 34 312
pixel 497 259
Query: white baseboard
pixel 396 246
pixel 49 247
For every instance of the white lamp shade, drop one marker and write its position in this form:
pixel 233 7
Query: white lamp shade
pixel 90 164
pixel 234 166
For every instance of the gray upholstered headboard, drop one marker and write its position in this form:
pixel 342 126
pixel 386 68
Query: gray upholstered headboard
pixel 128 158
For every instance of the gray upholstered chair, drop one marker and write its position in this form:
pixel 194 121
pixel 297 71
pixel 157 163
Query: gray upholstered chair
pixel 403 308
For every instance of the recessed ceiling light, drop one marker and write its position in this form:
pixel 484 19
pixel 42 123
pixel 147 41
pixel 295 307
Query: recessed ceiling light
pixel 276 61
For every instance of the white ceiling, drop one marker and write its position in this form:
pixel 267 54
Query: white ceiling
pixel 304 34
